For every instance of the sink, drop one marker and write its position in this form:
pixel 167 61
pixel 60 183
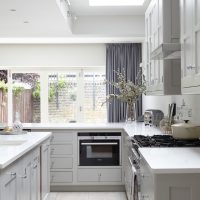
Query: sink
pixel 11 142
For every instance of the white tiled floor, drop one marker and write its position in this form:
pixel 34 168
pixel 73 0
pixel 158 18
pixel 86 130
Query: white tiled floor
pixel 87 196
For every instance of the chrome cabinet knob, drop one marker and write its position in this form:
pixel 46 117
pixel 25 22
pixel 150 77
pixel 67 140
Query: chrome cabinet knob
pixel 190 67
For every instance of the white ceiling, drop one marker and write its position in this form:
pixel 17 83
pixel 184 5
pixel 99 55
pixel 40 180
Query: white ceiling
pixel 81 7
pixel 45 19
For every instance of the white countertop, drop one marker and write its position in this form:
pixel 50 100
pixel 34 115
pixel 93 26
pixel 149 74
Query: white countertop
pixel 134 128
pixel 10 153
pixel 172 160
pixel 160 160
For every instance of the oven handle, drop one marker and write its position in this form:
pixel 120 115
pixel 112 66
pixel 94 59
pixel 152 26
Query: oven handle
pixel 97 144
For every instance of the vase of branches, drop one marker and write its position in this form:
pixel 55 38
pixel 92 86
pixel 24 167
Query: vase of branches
pixel 128 92
pixel 130 112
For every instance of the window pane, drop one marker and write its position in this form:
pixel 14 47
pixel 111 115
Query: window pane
pixel 63 97
pixel 94 96
pixel 26 97
pixel 3 97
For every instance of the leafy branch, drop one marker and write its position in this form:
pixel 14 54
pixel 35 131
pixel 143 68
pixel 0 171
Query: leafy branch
pixel 53 88
pixel 128 91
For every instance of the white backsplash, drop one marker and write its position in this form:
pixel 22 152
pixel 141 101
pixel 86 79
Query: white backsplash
pixel 156 102
pixel 188 106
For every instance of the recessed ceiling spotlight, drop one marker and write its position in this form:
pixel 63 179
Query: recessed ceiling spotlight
pixel 12 10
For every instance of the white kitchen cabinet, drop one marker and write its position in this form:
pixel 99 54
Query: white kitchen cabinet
pixel 61 163
pixel 60 137
pixel 24 179
pixel 190 40
pixel 21 180
pixel 8 186
pixel 35 175
pixel 168 186
pixel 63 155
pixel 61 149
pixel 99 175
pixel 162 76
pixel 61 177
pixel 45 169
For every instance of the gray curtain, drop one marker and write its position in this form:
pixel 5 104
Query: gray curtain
pixel 119 57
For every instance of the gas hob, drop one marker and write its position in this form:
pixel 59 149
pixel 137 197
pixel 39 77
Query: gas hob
pixel 163 141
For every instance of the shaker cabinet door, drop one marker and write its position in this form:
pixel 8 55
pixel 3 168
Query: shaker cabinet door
pixel 190 39
pixel 9 185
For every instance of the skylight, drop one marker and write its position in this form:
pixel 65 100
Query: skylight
pixel 116 2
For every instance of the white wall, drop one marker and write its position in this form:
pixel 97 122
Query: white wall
pixel 52 55
pixel 156 102
pixel 161 102
pixel 110 25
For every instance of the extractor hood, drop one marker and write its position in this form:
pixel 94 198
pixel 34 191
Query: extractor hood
pixel 167 51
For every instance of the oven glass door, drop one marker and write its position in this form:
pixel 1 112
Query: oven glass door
pixel 99 152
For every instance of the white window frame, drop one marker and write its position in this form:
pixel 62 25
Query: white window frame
pixel 43 73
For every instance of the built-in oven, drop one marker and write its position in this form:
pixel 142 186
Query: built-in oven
pixel 99 148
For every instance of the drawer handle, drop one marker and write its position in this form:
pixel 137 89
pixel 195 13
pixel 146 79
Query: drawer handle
pixel 190 67
pixel 98 144
pixel 13 176
pixel 24 176
pixel 34 166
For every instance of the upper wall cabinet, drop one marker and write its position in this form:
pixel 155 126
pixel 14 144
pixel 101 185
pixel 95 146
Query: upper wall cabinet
pixel 162 25
pixel 190 40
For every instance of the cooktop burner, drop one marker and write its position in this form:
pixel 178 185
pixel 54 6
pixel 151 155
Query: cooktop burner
pixel 164 141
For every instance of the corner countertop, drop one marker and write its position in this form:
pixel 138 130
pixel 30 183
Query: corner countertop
pixel 133 128
pixel 160 160
pixel 172 160
pixel 10 153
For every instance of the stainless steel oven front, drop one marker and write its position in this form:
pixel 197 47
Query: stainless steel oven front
pixel 99 148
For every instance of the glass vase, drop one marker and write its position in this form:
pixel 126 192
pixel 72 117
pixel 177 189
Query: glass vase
pixel 130 112
pixel 17 125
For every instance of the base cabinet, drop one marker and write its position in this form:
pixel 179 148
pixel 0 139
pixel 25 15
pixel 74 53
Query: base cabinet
pixel 22 179
pixel 99 175
pixel 168 186
pixel 62 157
pixel 45 169
pixel 61 177
pixel 9 184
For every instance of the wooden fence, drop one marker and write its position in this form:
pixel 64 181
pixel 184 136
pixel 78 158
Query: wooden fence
pixel 25 107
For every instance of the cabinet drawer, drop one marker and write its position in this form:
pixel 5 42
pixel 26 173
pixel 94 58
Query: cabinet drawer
pixel 111 175
pixel 61 137
pixel 99 175
pixel 62 149
pixel 61 177
pixel 61 163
